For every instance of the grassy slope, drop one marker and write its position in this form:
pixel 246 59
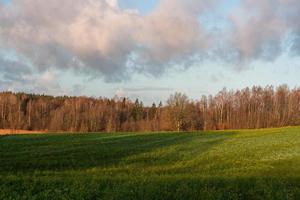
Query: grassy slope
pixel 249 164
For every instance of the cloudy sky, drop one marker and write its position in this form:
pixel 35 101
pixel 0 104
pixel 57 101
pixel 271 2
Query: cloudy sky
pixel 147 49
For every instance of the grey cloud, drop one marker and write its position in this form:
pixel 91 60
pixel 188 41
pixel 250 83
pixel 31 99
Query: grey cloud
pixel 13 71
pixel 149 89
pixel 295 47
pixel 98 38
pixel 17 76
pixel 260 27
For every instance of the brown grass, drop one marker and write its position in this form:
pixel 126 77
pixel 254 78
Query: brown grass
pixel 19 132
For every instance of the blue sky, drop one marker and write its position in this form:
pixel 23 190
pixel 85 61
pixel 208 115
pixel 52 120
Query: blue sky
pixel 143 6
pixel 199 77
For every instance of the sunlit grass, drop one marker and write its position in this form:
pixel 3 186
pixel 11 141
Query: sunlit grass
pixel 242 164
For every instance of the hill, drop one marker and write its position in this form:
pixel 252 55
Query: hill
pixel 248 164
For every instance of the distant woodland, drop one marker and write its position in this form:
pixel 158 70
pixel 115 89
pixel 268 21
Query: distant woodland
pixel 251 108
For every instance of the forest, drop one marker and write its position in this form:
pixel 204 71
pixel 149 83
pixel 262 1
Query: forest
pixel 249 108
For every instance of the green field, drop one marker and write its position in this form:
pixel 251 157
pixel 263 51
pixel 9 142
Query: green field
pixel 248 164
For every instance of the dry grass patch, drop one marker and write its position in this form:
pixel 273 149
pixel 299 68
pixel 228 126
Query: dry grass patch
pixel 19 132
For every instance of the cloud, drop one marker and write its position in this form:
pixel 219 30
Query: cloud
pixel 17 76
pixel 149 89
pixel 260 27
pixel 12 70
pixel 120 93
pixel 99 39
pixel 96 37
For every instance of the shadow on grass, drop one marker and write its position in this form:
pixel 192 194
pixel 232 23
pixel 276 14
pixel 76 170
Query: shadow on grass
pixel 150 188
pixel 22 154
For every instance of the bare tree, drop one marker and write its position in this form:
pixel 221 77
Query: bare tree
pixel 177 105
pixel 247 108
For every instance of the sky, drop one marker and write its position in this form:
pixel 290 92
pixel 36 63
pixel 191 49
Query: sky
pixel 147 49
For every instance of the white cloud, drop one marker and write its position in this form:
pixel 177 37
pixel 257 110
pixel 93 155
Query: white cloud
pixel 95 36
pixel 120 93
pixel 261 26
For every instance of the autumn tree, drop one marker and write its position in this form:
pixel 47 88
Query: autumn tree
pixel 255 107
pixel 177 105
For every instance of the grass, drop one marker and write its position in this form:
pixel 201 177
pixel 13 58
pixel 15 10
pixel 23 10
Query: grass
pixel 244 164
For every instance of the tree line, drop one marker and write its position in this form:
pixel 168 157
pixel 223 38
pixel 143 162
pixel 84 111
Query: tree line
pixel 250 108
